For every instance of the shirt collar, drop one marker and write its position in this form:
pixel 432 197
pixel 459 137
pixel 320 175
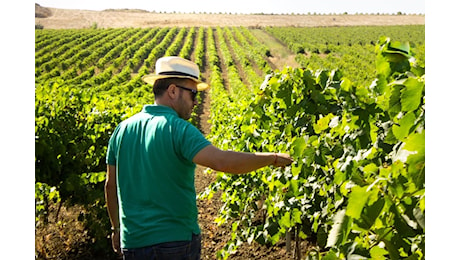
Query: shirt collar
pixel 155 108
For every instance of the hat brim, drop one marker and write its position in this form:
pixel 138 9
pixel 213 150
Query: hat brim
pixel 151 78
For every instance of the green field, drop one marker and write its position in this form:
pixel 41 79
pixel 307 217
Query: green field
pixel 357 134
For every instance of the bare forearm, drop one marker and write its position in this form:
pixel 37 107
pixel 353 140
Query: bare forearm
pixel 111 196
pixel 237 162
pixel 112 207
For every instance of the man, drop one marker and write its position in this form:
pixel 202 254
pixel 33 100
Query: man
pixel 151 160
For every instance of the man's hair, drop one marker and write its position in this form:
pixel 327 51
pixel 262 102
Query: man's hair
pixel 161 85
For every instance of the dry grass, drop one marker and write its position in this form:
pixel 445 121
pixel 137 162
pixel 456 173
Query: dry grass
pixel 64 18
pixel 42 12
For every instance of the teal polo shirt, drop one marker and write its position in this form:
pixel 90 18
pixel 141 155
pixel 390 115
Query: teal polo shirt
pixel 153 152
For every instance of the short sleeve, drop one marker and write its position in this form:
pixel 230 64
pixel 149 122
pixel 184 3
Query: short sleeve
pixel 112 148
pixel 192 142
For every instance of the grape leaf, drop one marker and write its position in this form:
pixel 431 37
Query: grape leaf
pixel 411 95
pixel 357 200
pixel 340 229
pixel 401 130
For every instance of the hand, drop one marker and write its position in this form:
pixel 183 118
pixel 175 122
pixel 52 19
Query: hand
pixel 116 242
pixel 282 160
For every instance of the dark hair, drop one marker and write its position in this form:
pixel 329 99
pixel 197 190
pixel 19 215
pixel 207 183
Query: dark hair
pixel 161 85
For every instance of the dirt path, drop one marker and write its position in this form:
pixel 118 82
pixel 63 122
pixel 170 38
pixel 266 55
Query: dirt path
pixel 281 55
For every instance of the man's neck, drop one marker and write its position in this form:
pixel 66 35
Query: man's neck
pixel 163 102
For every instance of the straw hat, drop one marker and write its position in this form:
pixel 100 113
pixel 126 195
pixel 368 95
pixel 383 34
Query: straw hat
pixel 175 67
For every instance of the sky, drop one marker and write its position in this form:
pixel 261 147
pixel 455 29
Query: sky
pixel 248 6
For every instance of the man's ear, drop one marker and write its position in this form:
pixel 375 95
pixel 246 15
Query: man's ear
pixel 172 91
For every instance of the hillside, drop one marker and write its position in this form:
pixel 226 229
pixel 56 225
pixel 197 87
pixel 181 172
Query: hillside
pixel 53 18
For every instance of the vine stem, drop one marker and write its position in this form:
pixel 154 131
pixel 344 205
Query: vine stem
pixel 297 253
pixel 288 242
pixel 58 211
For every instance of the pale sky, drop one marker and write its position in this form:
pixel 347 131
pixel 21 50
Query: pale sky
pixel 249 6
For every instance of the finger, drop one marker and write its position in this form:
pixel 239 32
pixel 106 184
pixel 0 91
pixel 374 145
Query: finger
pixel 117 250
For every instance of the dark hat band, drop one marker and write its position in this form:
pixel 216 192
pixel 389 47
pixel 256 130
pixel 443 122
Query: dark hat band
pixel 177 73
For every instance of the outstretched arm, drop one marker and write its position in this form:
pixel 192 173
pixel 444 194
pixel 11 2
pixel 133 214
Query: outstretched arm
pixel 238 162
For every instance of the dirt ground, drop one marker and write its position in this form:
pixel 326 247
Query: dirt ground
pixel 213 236
pixel 52 18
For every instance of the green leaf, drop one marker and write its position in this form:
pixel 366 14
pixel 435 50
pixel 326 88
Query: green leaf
pixel 298 146
pixel 401 131
pixel 321 237
pixel 339 177
pixel 322 124
pixel 414 256
pixel 296 217
pixel 416 169
pixel 357 200
pixel 392 250
pixel 249 129
pixel 285 221
pixel 422 204
pixel 411 95
pixel 296 168
pixel 390 137
pixel 383 67
pixel 340 229
pixel 370 214
pixel 322 78
pixel 402 48
pixel 330 256
pixel 378 253
pixel 272 228
pixel 345 84
pixel 394 105
pixel 381 88
pixel 416 143
pixel 370 169
pixel 96 177
pixel 401 223
pixel 294 188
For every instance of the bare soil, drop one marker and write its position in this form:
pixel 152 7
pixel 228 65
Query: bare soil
pixel 65 18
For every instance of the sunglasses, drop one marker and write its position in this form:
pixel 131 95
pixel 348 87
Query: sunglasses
pixel 194 92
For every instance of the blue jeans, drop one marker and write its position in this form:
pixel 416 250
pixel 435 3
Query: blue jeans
pixel 180 250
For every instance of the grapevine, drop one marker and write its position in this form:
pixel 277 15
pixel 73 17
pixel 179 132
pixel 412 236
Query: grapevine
pixel 357 183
